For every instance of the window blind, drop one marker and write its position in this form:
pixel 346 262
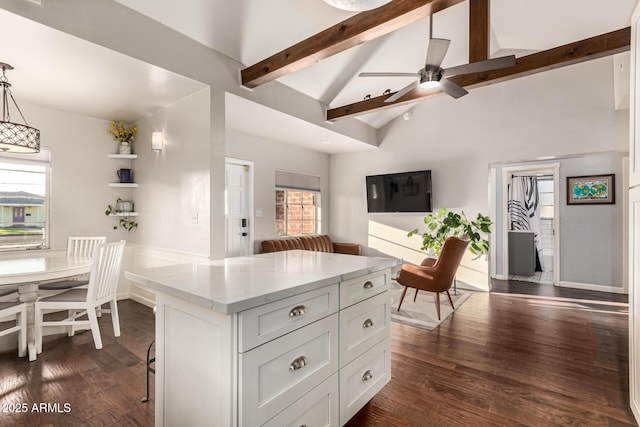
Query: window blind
pixel 297 181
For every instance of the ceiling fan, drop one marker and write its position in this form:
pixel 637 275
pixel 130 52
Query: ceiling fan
pixel 434 76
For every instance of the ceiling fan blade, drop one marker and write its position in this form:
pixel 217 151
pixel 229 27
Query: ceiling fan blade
pixel 402 92
pixel 388 75
pixel 481 66
pixel 452 89
pixel 436 51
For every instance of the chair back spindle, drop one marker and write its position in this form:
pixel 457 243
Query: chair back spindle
pixel 105 271
pixel 83 247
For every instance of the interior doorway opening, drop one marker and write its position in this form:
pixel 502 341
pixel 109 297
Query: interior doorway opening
pixel 531 213
pixel 526 242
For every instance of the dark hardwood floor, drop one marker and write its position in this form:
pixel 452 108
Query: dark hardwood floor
pixel 102 387
pixel 502 359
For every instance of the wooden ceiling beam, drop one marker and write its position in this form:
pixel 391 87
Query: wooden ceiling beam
pixel 478 30
pixel 356 30
pixel 571 53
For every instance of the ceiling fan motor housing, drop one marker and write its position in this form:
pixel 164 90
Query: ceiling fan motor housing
pixel 430 74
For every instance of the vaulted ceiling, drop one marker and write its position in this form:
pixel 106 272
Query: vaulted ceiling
pixel 60 71
pixel 250 31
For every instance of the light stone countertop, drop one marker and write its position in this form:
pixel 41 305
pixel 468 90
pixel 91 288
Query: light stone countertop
pixel 232 285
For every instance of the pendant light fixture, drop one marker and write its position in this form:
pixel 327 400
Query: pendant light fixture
pixel 14 137
pixel 357 5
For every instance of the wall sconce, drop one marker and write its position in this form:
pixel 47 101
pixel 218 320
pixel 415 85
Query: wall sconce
pixel 157 141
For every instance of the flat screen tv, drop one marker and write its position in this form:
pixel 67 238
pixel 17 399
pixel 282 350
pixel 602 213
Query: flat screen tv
pixel 399 192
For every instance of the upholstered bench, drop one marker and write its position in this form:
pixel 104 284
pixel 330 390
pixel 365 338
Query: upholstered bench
pixel 319 243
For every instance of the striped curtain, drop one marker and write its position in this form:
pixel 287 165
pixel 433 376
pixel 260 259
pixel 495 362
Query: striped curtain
pixel 524 209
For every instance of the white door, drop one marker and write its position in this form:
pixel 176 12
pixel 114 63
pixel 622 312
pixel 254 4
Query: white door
pixel 237 208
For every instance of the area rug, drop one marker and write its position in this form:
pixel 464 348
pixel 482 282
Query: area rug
pixel 422 313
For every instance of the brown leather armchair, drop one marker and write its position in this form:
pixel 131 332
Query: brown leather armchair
pixel 434 275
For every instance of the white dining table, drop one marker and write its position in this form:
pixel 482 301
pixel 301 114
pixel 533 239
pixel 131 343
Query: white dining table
pixel 27 270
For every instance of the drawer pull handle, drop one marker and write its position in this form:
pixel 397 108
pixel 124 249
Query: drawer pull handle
pixel 299 363
pixel 368 284
pixel 298 311
pixel 367 323
pixel 367 376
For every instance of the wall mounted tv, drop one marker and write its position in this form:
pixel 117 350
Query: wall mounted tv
pixel 399 192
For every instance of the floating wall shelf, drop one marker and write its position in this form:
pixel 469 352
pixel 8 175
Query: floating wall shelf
pixel 123 184
pixel 123 156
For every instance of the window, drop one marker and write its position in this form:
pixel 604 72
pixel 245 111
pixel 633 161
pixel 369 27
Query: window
pixel 24 200
pixel 297 204
pixel 297 212
pixel 545 192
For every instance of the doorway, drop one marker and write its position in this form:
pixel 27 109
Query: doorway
pixel 238 209
pixel 527 252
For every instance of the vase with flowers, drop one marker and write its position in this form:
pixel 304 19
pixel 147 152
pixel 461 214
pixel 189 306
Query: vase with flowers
pixel 124 133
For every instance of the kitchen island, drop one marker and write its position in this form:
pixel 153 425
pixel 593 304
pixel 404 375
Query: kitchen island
pixel 284 338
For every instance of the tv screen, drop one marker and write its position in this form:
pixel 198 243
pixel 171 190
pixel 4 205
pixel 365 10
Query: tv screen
pixel 399 192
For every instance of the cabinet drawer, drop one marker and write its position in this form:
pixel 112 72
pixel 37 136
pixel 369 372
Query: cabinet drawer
pixel 362 325
pixel 277 373
pixel 355 290
pixel 318 408
pixel 363 378
pixel 270 321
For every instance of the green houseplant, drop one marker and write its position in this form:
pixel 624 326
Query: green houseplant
pixel 444 224
pixel 125 221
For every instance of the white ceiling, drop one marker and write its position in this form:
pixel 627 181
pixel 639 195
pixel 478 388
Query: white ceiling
pixel 60 71
pixel 274 125
pixel 56 70
pixel 251 30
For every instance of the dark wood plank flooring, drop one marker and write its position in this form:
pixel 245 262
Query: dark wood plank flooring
pixel 502 359
pixel 102 387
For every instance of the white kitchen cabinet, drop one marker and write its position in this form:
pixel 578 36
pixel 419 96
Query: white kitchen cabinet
pixel 634 100
pixel 281 339
pixel 634 301
pixel 634 219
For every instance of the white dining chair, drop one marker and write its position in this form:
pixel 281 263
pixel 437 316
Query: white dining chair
pixel 81 302
pixel 80 247
pixel 15 311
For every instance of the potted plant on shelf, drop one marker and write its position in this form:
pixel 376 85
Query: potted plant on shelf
pixel 444 224
pixel 122 209
pixel 124 133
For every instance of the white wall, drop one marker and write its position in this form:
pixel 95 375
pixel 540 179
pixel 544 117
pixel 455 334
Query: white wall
pixel 80 172
pixel 174 182
pixel 590 236
pixel 269 156
pixel 556 113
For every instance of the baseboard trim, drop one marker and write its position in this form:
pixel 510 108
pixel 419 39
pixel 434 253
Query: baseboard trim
pixel 142 300
pixel 592 287
pixel 500 277
pixel 635 409
pixel 468 287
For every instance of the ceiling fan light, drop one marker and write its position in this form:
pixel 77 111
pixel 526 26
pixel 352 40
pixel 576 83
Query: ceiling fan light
pixel 429 84
pixel 357 5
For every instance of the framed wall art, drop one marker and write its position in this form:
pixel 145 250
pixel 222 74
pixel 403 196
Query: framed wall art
pixel 591 190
